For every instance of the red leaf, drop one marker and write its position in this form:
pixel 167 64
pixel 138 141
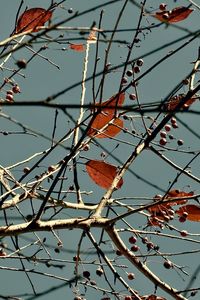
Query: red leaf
pixel 175 15
pixel 32 18
pixel 193 212
pixel 102 173
pixel 112 103
pixel 110 131
pixel 177 194
pixel 106 114
pixel 77 47
pixel 171 194
pixel 173 102
pixel 164 211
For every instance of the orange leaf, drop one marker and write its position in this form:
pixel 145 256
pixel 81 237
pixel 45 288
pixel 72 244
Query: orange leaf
pixel 175 15
pixel 163 211
pixel 193 212
pixel 111 104
pixel 102 173
pixel 77 47
pixel 173 102
pixel 177 194
pixel 110 131
pixel 32 18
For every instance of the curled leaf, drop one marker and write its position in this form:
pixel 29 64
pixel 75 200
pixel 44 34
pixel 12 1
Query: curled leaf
pixel 109 106
pixel 177 194
pixel 107 111
pixel 174 101
pixel 175 15
pixel 164 211
pixel 77 47
pixel 102 173
pixel 192 211
pixel 32 18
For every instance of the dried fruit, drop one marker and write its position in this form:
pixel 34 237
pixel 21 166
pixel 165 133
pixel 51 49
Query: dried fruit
pixel 131 276
pixel 132 96
pixel 135 248
pixel 167 264
pixel 129 73
pixel 183 233
pixel 167 127
pixel 86 274
pixel 132 240
pixel 180 142
pixel 163 142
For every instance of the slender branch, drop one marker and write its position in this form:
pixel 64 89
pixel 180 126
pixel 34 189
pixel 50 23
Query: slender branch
pixel 112 232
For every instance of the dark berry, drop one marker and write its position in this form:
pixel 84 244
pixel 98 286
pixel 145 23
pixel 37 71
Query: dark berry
pixel 186 81
pixel 71 188
pixel 193 293
pixel 86 274
pixel 127 298
pixel 9 98
pixel 183 233
pixel 167 264
pixel 167 127
pixel 163 142
pixel 132 240
pixel 124 80
pixel 180 142
pixel 99 271
pixel 21 63
pixel 163 134
pixel 139 62
pixel 175 125
pixel 135 248
pixel 86 147
pixel 131 276
pixel 162 6
pixel 165 16
pixel 185 214
pixel 129 73
pixel 182 219
pixel 173 120
pixel 70 10
pixel 132 96
pixel 144 240
pixel 118 252
pixel 51 168
pixel 150 246
pixel 16 89
pixel 26 170
pixel 136 69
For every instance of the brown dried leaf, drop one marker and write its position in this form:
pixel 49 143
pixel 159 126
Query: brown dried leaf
pixel 32 18
pixel 102 173
pixel 192 210
pixel 175 15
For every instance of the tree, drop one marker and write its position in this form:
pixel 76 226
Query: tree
pixel 100 195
